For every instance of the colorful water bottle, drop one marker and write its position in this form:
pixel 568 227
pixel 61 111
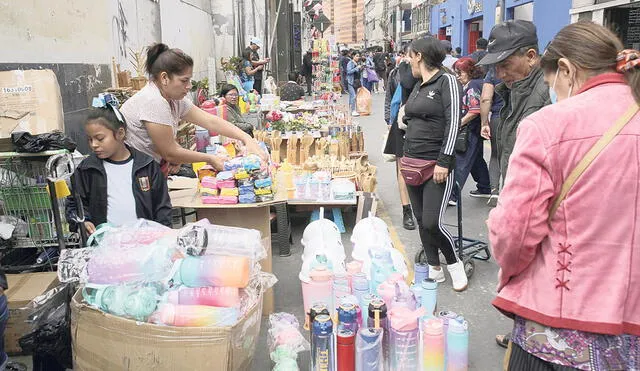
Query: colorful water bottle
pixel 212 296
pixel 457 345
pixel 387 289
pixel 353 267
pixel 213 270
pixel 404 297
pixel 378 319
pixel 123 301
pixel 369 350
pixel 429 296
pixel 420 272
pixel 340 287
pixel 381 268
pixel 345 336
pixel 322 355
pixel 404 338
pixel 433 349
pixel 347 314
pixel 418 291
pixel 360 286
pixel 352 300
pixel 319 290
pixel 194 316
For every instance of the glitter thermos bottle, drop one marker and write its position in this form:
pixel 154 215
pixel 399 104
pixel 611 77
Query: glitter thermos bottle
pixel 322 352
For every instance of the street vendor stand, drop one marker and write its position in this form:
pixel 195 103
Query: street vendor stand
pixel 252 216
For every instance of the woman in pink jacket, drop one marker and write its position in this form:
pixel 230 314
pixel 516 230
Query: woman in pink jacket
pixel 571 278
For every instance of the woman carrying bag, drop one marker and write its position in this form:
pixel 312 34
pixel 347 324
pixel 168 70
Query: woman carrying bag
pixel 432 115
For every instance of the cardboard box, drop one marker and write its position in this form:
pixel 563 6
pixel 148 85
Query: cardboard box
pixel 22 289
pixel 102 341
pixel 30 101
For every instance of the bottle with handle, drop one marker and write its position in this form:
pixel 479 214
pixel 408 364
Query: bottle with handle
pixel 211 296
pixel 213 270
pixel 194 316
pixel 378 319
pixel 319 289
pixel 387 289
pixel 433 349
pixel 322 356
pixel 404 297
pixel 381 267
pixel 404 338
pixel 457 345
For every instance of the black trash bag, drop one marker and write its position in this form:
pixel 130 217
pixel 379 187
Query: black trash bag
pixel 50 337
pixel 26 142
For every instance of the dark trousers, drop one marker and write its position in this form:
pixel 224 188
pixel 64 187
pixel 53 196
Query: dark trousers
pixel 494 162
pixel 309 80
pixel 367 84
pixel 4 318
pixel 520 360
pixel 429 202
pixel 257 86
pixel 472 162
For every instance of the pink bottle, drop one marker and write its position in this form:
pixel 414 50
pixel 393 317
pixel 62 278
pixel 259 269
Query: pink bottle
pixel 433 345
pixel 194 316
pixel 353 267
pixel 387 289
pixel 319 290
pixel 211 296
pixel 214 270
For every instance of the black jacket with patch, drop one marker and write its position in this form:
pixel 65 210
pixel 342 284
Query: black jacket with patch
pixel 432 115
pixel 150 190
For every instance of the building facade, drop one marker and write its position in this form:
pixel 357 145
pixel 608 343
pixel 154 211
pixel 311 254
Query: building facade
pixel 621 16
pixel 348 20
pixel 464 21
pixel 375 23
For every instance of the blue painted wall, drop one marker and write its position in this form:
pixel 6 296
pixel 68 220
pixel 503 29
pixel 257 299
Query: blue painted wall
pixel 549 16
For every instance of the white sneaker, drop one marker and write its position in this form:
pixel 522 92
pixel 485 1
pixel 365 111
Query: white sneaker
pixel 436 275
pixel 458 276
pixel 355 114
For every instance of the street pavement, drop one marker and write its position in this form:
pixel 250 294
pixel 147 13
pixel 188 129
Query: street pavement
pixel 474 304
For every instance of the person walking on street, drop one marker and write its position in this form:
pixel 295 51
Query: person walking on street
pixel 401 78
pixel 471 161
pixel 253 47
pixel 449 59
pixel 569 262
pixel 432 116
pixel 481 50
pixel 354 70
pixel 380 62
pixel 307 71
pixel 490 105
pixel 344 61
pixel 513 51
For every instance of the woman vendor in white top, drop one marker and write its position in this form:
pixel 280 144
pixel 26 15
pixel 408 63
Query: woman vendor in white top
pixel 154 112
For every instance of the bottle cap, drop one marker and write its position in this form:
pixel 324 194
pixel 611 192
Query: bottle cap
pixel 429 284
pixel 458 326
pixel 421 267
pixel 320 273
pixel 345 337
pixel 370 335
pixel 433 326
pixel 354 267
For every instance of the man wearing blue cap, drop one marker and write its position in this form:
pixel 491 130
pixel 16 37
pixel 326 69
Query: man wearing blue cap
pixel 513 52
pixel 254 45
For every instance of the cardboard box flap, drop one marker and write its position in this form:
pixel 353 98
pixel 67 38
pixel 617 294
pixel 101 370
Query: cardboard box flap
pixel 102 341
pixel 24 287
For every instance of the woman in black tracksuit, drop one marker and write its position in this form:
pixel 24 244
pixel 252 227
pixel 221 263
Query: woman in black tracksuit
pixel 432 115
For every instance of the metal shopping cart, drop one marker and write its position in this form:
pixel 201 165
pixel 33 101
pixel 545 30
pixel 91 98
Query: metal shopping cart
pixel 469 249
pixel 28 199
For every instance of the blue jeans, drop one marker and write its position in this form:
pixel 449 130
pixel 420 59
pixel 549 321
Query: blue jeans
pixel 352 97
pixel 4 318
pixel 472 161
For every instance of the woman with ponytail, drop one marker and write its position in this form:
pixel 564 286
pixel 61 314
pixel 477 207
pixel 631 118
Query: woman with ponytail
pixel 154 112
pixel 566 231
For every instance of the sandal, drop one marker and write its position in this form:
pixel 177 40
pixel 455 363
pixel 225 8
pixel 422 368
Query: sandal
pixel 503 340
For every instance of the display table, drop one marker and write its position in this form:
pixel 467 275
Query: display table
pixel 251 216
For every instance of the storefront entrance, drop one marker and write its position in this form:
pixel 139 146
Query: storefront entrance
pixel 474 32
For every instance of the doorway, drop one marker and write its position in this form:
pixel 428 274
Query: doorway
pixel 474 32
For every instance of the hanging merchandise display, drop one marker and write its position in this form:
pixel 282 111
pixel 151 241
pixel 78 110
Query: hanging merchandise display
pixel 326 73
pixel 369 318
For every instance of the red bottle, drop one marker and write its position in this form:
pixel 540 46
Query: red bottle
pixel 346 352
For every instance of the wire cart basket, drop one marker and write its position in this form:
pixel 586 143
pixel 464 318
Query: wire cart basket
pixel 39 219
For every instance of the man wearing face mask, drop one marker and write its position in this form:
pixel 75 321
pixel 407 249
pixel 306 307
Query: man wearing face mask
pixel 513 51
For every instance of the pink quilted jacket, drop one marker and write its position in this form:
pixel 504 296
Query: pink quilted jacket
pixel 582 270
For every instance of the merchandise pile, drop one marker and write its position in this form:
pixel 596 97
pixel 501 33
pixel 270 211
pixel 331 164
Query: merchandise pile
pixel 242 181
pixel 362 315
pixel 202 275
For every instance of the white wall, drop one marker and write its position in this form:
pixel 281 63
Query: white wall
pixel 523 12
pixel 55 31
